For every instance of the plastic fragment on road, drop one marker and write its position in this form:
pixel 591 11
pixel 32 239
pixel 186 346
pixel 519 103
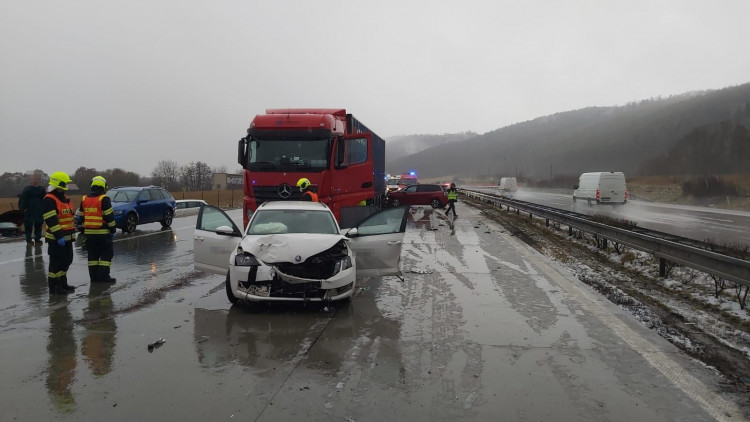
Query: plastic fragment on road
pixel 156 344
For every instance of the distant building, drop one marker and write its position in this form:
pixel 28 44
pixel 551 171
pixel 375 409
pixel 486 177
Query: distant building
pixel 224 181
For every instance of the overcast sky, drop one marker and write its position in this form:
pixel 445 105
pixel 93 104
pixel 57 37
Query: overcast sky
pixel 125 84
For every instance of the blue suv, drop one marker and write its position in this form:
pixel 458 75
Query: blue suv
pixel 140 205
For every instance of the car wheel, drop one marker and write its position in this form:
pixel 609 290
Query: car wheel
pixel 395 202
pixel 232 299
pixel 130 222
pixel 435 203
pixel 167 221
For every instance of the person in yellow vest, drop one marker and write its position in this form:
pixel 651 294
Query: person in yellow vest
pixel 305 187
pixel 99 228
pixel 57 211
pixel 452 198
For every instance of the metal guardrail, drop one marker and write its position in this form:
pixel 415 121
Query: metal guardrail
pixel 724 266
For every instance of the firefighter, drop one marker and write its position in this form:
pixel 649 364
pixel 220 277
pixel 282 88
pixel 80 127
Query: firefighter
pixel 305 187
pixel 58 215
pixel 99 229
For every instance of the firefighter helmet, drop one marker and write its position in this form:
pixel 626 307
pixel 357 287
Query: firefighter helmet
pixel 303 184
pixel 99 181
pixel 59 180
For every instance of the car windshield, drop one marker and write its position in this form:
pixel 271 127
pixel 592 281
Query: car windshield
pixel 286 153
pixel 292 221
pixel 393 181
pixel 122 195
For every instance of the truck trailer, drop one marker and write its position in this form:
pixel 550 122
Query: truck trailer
pixel 343 159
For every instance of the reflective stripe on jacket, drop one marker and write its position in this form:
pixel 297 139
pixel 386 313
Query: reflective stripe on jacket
pixel 59 220
pixel 93 220
pixel 313 196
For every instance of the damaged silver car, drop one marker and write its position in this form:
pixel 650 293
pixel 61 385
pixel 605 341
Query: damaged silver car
pixel 295 251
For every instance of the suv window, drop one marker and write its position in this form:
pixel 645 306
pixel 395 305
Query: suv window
pixel 412 188
pixel 144 196
pixel 165 194
pixel 428 188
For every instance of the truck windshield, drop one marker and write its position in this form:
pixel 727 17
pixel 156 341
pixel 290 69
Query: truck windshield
pixel 288 154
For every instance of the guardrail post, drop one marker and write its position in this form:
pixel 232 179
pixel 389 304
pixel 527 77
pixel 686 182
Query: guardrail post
pixel 531 216
pixel 604 243
pixel 662 267
pixel 570 230
pixel 546 222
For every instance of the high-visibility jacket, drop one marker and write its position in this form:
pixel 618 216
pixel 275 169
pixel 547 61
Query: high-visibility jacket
pixel 93 219
pixel 452 194
pixel 59 220
pixel 313 196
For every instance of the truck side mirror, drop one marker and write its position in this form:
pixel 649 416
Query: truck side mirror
pixel 241 159
pixel 575 187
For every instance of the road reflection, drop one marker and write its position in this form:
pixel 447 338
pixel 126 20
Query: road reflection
pixel 98 345
pixel 33 280
pixel 61 351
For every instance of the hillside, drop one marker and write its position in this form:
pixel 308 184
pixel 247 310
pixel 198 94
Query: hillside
pixel 638 138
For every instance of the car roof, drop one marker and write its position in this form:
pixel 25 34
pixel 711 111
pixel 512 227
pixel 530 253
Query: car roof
pixel 294 205
pixel 135 187
pixel 189 200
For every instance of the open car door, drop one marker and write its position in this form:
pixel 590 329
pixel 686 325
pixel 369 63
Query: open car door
pixel 215 237
pixel 377 241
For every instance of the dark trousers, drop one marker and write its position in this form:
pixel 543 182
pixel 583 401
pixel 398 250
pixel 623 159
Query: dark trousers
pixel 60 258
pixel 100 255
pixel 32 220
pixel 451 206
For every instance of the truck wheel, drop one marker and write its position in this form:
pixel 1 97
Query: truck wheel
pixel 435 203
pixel 130 222
pixel 232 299
pixel 167 220
pixel 395 202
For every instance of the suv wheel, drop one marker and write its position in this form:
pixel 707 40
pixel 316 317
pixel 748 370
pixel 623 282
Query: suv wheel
pixel 435 203
pixel 130 222
pixel 167 220
pixel 395 202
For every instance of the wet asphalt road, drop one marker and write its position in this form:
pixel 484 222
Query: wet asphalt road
pixel 481 328
pixel 698 223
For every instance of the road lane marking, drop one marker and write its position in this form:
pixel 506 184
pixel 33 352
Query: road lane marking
pixel 10 261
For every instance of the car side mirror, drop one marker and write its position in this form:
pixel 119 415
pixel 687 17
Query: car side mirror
pixel 352 232
pixel 575 187
pixel 225 231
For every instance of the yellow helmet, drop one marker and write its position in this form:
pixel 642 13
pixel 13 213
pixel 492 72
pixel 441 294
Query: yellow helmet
pixel 303 184
pixel 99 181
pixel 59 180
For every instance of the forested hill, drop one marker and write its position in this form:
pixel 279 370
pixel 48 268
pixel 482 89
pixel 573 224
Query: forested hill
pixel 702 130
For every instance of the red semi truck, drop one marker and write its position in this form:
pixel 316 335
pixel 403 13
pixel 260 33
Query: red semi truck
pixel 344 160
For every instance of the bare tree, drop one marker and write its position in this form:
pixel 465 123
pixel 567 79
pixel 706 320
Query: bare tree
pixel 196 176
pixel 167 175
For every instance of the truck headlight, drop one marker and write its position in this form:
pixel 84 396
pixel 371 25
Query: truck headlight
pixel 245 260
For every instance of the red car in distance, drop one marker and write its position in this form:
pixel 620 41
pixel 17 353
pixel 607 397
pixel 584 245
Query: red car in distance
pixel 421 194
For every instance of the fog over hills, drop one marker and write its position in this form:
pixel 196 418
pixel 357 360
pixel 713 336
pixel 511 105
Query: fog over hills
pixel 693 133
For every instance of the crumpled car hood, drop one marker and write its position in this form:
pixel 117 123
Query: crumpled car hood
pixel 276 248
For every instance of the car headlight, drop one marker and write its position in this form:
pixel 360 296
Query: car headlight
pixel 245 260
pixel 342 265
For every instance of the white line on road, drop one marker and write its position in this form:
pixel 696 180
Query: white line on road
pixel 10 261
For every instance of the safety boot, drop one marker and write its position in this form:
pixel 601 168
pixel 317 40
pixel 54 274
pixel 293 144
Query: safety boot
pixel 63 287
pixel 52 283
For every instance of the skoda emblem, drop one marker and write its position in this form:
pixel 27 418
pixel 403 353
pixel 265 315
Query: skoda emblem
pixel 285 190
pixel 297 258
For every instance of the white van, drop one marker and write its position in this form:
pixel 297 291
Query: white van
pixel 507 186
pixel 601 188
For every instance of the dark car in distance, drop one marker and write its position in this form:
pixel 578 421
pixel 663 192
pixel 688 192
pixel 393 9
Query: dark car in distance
pixel 134 205
pixel 420 194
